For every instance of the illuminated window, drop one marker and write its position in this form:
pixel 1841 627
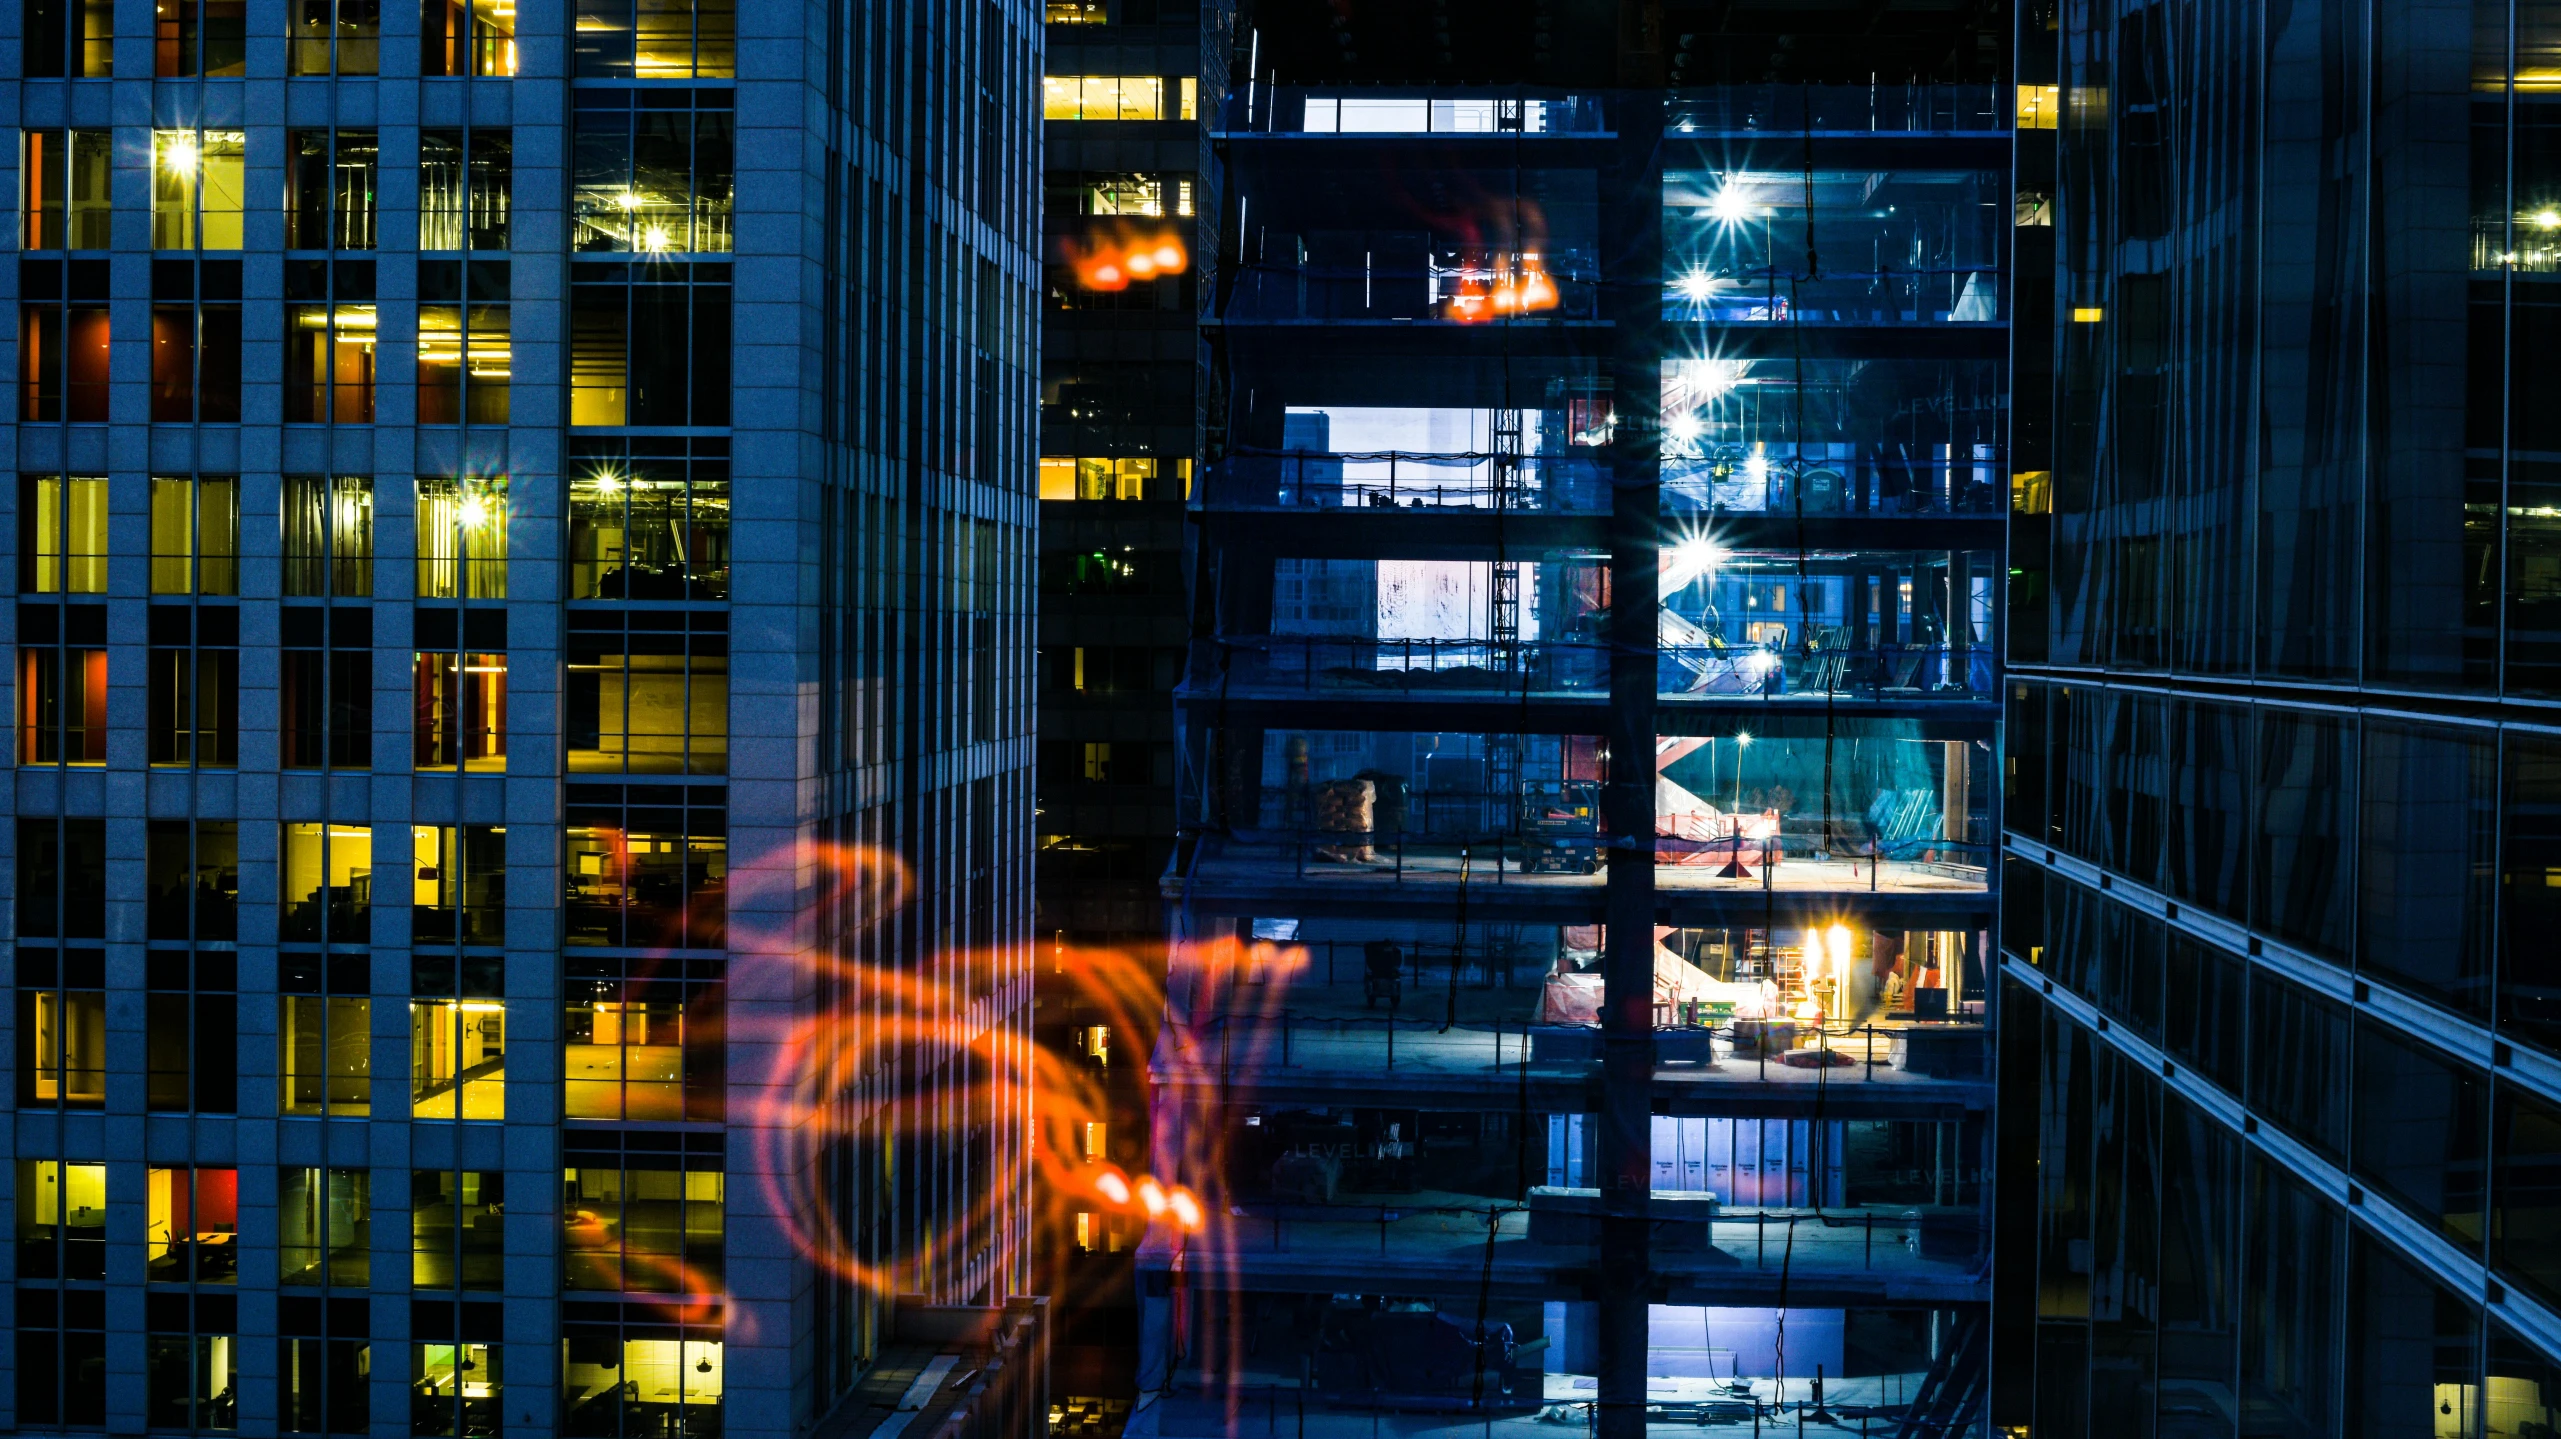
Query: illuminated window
pixel 195 535
pixel 664 1387
pixel 191 1226
pixel 63 336
pixel 1074 12
pixel 656 171
pixel 198 178
pixel 62 1028
pixel 324 1224
pixel 62 1220
pixel 467 37
pixel 328 535
pixel 466 359
pixel 62 535
pixel 325 884
pixel 1140 478
pixel 200 37
pixel 648 1221
pixel 1109 97
pixel 458 1058
pixel 641 1039
pixel 330 342
pixel 649 527
pixel 335 36
pixel 455 1389
pixel 649 344
pixel 646 887
pixel 460 879
pixel 2040 106
pixel 326 1061
pixel 458 1229
pixel 466 185
pixel 462 538
pixel 656 39
pixel 65 183
pixel 460 682
pixel 648 692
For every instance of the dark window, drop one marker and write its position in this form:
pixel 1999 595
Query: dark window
pixel 195 342
pixel 2200 1301
pixel 191 875
pixel 62 1353
pixel 62 867
pixel 458 1229
pixel 2130 963
pixel 2525 1240
pixel 2427 866
pixel 191 1373
pixel 2209 805
pixel 330 182
pixel 324 1227
pixel 2410 1342
pixel 466 181
pixel 2422 1132
pixel 2290 1307
pixel 69 39
pixel 191 1040
pixel 62 341
pixel 2529 998
pixel 655 171
pixel 194 690
pixel 2299 1063
pixel 648 866
pixel 649 344
pixel 325 687
pixel 324 1364
pixel 2306 799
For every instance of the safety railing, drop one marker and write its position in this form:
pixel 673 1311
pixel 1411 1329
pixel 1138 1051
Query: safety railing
pixel 1382 112
pixel 1770 478
pixel 1406 479
pixel 1841 109
pixel 1560 669
pixel 1952 296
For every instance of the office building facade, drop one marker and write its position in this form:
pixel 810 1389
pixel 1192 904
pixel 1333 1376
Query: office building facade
pixel 2277 1067
pixel 519 810
pixel 1581 919
pixel 1127 231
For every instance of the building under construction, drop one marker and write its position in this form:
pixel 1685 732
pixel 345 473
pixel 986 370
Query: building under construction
pixel 1578 1006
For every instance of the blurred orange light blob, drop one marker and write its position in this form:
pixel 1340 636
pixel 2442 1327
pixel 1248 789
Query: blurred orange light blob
pixel 1151 1197
pixel 1186 1209
pixel 1108 260
pixel 1112 1186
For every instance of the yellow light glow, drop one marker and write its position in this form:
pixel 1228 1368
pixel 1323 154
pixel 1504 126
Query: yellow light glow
pixel 2087 314
pixel 178 157
pixel 654 240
